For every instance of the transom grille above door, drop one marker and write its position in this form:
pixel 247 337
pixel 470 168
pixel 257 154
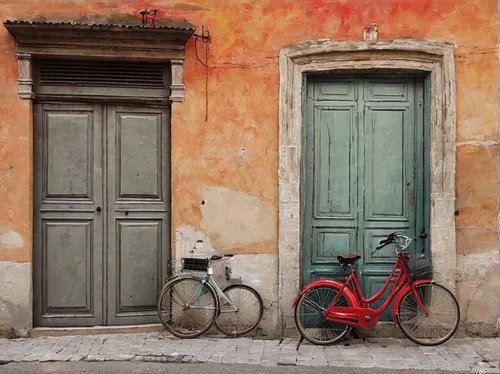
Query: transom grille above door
pixel 73 78
pixel 101 73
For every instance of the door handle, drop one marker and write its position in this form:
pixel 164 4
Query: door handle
pixel 98 209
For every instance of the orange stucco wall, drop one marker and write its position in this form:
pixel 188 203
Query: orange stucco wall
pixel 237 147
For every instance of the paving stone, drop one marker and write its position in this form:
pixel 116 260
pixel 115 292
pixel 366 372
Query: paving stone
pixel 269 363
pixel 215 358
pixel 271 343
pixel 253 360
pixel 304 361
pixel 319 362
pixel 159 347
pixel 202 358
pixel 228 358
pixel 287 360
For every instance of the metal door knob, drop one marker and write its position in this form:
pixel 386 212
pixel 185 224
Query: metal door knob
pixel 423 234
pixel 98 209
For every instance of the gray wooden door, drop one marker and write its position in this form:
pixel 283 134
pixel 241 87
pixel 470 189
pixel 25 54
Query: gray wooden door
pixel 364 174
pixel 101 213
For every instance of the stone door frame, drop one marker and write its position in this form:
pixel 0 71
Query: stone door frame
pixel 436 60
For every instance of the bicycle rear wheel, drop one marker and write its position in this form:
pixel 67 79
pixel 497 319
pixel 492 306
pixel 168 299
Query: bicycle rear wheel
pixel 245 312
pixel 309 316
pixel 440 320
pixel 187 307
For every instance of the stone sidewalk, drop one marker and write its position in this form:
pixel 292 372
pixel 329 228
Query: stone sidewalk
pixel 474 355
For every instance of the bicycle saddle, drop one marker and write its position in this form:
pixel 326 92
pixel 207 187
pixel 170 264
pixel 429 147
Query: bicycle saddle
pixel 348 259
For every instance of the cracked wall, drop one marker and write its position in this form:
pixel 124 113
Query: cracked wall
pixel 225 167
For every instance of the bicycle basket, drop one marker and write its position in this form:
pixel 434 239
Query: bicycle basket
pixel 195 264
pixel 420 265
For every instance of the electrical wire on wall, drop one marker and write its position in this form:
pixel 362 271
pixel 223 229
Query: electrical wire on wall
pixel 205 38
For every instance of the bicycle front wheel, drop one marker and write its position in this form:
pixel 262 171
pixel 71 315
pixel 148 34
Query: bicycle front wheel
pixel 187 307
pixel 437 323
pixel 243 312
pixel 309 315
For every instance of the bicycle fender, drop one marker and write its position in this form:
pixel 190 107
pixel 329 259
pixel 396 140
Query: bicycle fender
pixel 346 292
pixel 402 292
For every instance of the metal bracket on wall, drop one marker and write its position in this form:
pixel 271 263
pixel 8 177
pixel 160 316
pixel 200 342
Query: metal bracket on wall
pixel 145 17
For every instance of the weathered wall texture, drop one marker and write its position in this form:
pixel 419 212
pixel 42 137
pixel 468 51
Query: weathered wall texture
pixel 224 170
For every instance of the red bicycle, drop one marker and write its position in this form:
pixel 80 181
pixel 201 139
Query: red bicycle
pixel 426 312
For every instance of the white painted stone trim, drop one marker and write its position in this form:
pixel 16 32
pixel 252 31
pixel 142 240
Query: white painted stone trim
pixel 296 61
pixel 177 85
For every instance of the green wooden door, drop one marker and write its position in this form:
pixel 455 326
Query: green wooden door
pixel 363 162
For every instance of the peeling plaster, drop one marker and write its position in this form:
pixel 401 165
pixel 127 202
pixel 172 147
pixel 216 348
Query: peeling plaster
pixel 15 299
pixel 478 289
pixel 191 242
pixel 11 239
pixel 235 222
pixel 485 143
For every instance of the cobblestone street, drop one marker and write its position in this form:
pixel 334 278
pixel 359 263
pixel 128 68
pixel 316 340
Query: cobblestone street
pixel 474 355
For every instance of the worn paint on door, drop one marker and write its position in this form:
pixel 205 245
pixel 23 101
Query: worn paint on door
pixel 102 233
pixel 363 156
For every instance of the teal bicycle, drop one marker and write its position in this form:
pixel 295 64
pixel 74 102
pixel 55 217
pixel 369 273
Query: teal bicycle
pixel 190 304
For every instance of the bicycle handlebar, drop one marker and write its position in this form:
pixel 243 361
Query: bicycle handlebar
pixel 390 239
pixel 402 242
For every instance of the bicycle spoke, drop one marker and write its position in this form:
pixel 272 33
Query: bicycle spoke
pixel 309 315
pixel 181 318
pixel 241 312
pixel 437 323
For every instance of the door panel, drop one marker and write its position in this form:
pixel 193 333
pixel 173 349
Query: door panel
pixel 361 138
pixel 138 217
pixel 68 289
pixel 333 154
pixel 68 163
pixel 138 255
pixel 388 163
pixel 138 162
pixel 67 228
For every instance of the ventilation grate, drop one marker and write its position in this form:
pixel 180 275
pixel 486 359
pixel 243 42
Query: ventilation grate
pixel 100 74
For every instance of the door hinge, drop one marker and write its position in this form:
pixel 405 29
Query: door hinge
pixel 412 198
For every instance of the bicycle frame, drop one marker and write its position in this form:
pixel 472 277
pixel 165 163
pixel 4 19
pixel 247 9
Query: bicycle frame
pixel 362 315
pixel 220 294
pixel 208 279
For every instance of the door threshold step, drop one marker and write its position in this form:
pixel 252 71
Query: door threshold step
pixel 38 332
